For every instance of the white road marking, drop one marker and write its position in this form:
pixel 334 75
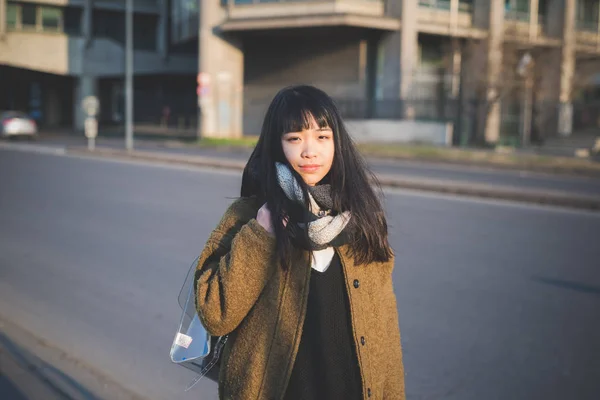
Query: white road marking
pixel 34 148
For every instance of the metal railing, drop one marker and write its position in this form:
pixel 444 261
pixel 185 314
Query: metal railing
pixel 445 5
pixel 515 15
pixel 586 25
pixel 438 110
pixel 246 2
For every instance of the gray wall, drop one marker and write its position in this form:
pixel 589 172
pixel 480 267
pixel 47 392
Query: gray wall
pixel 336 65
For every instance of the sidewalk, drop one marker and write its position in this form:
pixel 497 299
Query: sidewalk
pixel 534 159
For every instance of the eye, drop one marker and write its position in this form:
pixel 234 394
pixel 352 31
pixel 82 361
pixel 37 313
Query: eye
pixel 325 134
pixel 292 139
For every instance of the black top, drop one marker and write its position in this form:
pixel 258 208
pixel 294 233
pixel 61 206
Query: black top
pixel 326 366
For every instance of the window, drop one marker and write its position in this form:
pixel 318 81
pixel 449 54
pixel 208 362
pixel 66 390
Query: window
pixel 517 5
pixel 28 16
pixel 72 20
pixel 144 32
pixel 109 25
pixel 51 18
pixel 587 15
pixel 542 7
pixel 12 15
pixel 516 10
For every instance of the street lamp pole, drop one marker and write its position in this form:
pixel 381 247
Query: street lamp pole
pixel 129 75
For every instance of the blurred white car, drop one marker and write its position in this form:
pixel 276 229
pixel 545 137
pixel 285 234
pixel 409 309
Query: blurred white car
pixel 16 123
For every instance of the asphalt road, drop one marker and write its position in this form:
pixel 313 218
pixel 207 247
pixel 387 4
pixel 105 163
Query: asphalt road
pixel 442 172
pixel 496 300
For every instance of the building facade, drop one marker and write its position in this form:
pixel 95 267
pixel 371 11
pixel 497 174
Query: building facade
pixel 54 53
pixel 396 59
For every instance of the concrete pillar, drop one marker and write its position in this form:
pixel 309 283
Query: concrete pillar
pixel 86 21
pixel 221 71
pixel 454 4
pixel 494 70
pixel 85 86
pixel 2 18
pixel 400 54
pixel 409 45
pixel 483 80
pixel 534 6
pixel 567 69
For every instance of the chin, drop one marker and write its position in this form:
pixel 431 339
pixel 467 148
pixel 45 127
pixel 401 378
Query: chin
pixel 312 181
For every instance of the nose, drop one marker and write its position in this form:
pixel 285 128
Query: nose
pixel 308 151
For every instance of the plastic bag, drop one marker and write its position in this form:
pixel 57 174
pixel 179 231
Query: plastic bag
pixel 193 347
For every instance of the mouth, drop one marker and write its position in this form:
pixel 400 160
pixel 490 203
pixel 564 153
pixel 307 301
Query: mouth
pixel 310 167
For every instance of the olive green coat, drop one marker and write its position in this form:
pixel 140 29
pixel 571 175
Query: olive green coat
pixel 241 291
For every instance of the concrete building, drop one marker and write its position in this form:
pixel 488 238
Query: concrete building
pixel 54 53
pixel 395 59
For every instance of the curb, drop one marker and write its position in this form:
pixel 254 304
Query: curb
pixel 577 171
pixel 429 185
pixel 35 369
pixel 494 192
pixel 181 159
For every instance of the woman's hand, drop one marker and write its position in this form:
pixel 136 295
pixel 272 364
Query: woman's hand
pixel 263 217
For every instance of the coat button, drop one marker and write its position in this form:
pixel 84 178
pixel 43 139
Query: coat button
pixel 356 283
pixel 362 340
pixel 369 392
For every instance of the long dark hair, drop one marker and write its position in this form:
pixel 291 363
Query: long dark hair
pixel 350 178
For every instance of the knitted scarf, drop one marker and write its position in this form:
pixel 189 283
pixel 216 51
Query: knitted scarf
pixel 324 230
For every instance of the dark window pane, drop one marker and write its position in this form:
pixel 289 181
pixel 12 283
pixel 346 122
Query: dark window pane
pixel 28 15
pixel 109 25
pixel 72 22
pixel 542 7
pixel 144 32
pixel 51 18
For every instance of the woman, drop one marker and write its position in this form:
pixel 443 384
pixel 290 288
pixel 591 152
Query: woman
pixel 298 273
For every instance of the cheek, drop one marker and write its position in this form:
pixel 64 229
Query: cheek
pixel 288 151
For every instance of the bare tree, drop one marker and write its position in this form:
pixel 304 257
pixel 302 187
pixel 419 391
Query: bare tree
pixel 482 91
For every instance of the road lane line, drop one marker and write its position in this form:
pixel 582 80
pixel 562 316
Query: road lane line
pixel 34 148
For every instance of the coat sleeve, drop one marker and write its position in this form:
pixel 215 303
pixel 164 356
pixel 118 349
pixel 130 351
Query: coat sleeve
pixel 394 382
pixel 233 269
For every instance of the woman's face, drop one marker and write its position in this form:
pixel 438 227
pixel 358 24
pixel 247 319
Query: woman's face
pixel 310 152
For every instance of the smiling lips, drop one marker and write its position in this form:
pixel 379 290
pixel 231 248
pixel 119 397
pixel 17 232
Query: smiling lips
pixel 310 167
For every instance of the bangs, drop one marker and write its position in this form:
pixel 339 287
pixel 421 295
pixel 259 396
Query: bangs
pixel 297 111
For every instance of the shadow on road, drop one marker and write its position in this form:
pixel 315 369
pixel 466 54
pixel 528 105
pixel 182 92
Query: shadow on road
pixel 578 287
pixel 25 376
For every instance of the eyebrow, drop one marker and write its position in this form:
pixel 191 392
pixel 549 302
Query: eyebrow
pixel 316 130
